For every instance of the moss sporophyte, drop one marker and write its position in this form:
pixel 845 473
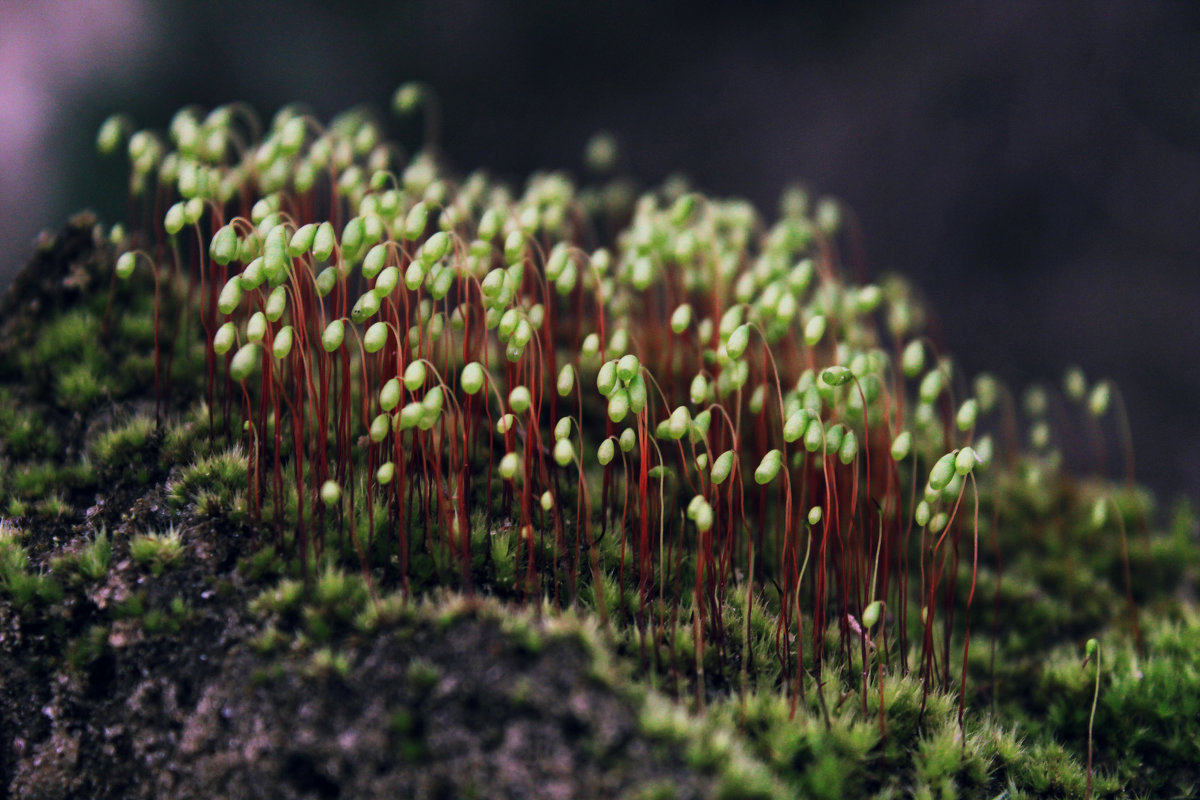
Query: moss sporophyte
pixel 665 408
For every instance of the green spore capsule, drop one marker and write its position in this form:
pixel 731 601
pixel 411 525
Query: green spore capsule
pixel 564 452
pixel 942 471
pixel 385 473
pixel 331 493
pixel 244 361
pixel 814 330
pixel 618 405
pixel 722 467
pixel 326 280
pixel 379 428
pixel 565 381
pixel 628 440
pixel 508 466
pixel 815 514
pixel 1099 399
pixel 871 614
pixel 769 467
pixel 738 341
pixel 389 395
pixel 902 446
pixel 923 513
pixel 281 345
pixel 967 413
pixel 519 399
pixel 374 262
pixel 681 318
pixel 333 335
pixel 637 394
pixel 627 367
pixel 414 376
pixel 606 378
pixel 965 461
pixel 276 304
pixel 836 376
pixel 472 378
pixel 606 452
pixel 256 327
pixel 849 448
pixel 225 338
pixel 365 307
pixel 375 337
pixel 324 241
pixel 796 424
pixel 230 296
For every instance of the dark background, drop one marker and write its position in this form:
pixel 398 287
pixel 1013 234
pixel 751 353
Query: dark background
pixel 1034 166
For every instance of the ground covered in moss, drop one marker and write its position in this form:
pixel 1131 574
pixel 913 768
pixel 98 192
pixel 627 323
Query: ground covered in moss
pixel 153 644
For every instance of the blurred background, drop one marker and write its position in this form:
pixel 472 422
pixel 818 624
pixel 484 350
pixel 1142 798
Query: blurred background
pixel 1034 167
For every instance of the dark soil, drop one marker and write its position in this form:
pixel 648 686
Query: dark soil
pixel 145 686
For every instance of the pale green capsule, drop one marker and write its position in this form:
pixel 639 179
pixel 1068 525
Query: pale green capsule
pixel 175 219
pixel 965 461
pixel 1099 399
pixel 375 337
pixel 814 330
pixel 519 399
pixel 902 446
pixel 871 614
pixel 331 493
pixel 224 245
pixel 1099 513
pixel 849 448
pixel 436 247
pixel 375 261
pixel 833 437
pixel 627 367
pixel 411 415
pixel 566 380
pixel 757 398
pixel 814 436
pixel 326 280
pixel 606 452
pixel 931 386
pixel 385 473
pixel 681 318
pixel 628 440
pixel 815 514
pixel 333 335
pixel 637 394
pixel 698 391
pixel 564 452
pixel 244 361
pixel 380 427
pixel 912 360
pixel 281 345
pixel 836 376
pixel 796 424
pixel 128 261
pixel 389 395
pixel 547 500
pixel 769 467
pixel 414 376
pixel 514 248
pixel 256 327
pixel 505 423
pixel 922 514
pixel 472 377
pixel 967 414
pixel 276 304
pixel 739 339
pixel 509 464
pixel 942 471
pixel 618 405
pixel 722 467
pixel 365 307
pixel 323 241
pixel 939 522
pixel 225 338
pixel 678 423
pixel 433 400
pixel 231 295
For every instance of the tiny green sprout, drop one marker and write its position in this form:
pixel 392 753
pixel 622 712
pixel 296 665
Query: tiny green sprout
pixel 385 473
pixel 333 335
pixel 722 467
pixel 566 380
pixel 606 452
pixel 738 341
pixel 836 376
pixel 125 265
pixel 681 318
pixel 769 467
pixel 547 500
pixel 872 613
pixel 243 362
pixel 1099 399
pixel 224 338
pixel 1092 650
pixel 965 461
pixel 472 377
pixel 902 446
pixel 281 345
pixel 814 330
pixel 414 376
pixel 509 464
pixel 375 337
pixel 967 413
pixel 815 514
pixel 519 399
pixel 564 452
pixel 943 471
pixel 331 493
